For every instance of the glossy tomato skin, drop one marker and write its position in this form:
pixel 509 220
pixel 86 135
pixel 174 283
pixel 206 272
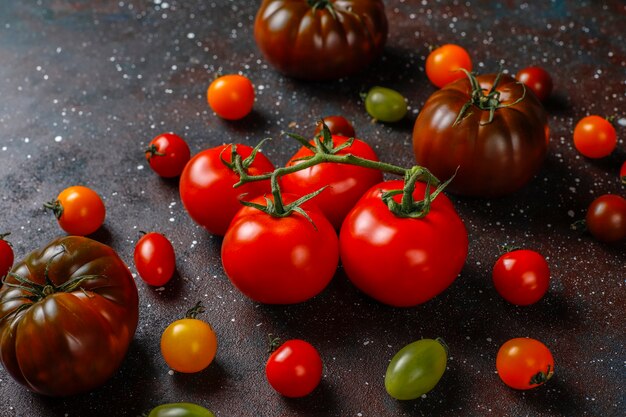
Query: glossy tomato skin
pixel 155 259
pixel 385 104
pixel 493 159
pixel 180 410
pixel 294 369
pixel 206 186
pixel 537 80
pixel 167 155
pixel 595 137
pixel 346 183
pixel 622 173
pixel 338 125
pixel 522 361
pixel 231 96
pixel 189 345
pixel 100 316
pixel 521 277
pixel 280 260
pixel 402 262
pixel 606 218
pixel 443 64
pixel 6 257
pixel 82 210
pixel 416 369
pixel 308 43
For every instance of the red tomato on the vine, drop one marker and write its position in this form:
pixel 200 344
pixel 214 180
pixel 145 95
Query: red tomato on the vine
pixel 155 259
pixel 79 210
pixel 231 96
pixel 294 369
pixel 206 186
pixel 346 183
pixel 443 64
pixel 595 137
pixel 537 80
pixel 6 256
pixel 280 260
pixel 521 277
pixel 606 218
pixel 524 363
pixel 338 125
pixel 402 261
pixel 167 155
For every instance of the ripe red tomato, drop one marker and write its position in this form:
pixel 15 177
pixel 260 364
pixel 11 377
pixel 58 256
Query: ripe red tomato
pixel 155 259
pixel 280 260
pixel 206 186
pixel 606 218
pixel 443 64
pixel 338 125
pixel 537 80
pixel 622 173
pixel 493 158
pixel 524 363
pixel 231 96
pixel 594 137
pixel 6 256
pixel 402 261
pixel 320 39
pixel 521 277
pixel 66 323
pixel 294 369
pixel 346 183
pixel 167 155
pixel 79 210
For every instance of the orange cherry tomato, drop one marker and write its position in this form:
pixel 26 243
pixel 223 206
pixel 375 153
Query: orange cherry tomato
pixel 595 137
pixel 79 210
pixel 231 96
pixel 443 64
pixel 524 363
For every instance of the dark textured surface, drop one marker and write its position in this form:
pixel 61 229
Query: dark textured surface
pixel 85 84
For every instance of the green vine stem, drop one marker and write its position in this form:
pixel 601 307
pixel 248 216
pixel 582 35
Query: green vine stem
pixel 151 151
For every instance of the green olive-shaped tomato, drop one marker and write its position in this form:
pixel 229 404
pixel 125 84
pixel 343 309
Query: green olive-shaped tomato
pixel 416 369
pixel 385 104
pixel 180 410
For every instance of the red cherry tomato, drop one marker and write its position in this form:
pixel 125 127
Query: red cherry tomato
pixel 606 218
pixel 537 80
pixel 595 137
pixel 155 259
pixel 338 125
pixel 167 155
pixel 294 369
pixel 346 183
pixel 79 210
pixel 622 173
pixel 521 277
pixel 6 256
pixel 206 186
pixel 524 363
pixel 443 64
pixel 231 96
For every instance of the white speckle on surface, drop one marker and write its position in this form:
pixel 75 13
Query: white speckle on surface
pixel 58 139
pixel 170 372
pixel 191 35
pixel 139 167
pixel 172 219
pixel 622 121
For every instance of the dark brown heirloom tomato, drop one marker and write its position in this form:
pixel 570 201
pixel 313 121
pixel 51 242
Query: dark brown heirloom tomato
pixel 320 39
pixel 67 315
pixel 497 137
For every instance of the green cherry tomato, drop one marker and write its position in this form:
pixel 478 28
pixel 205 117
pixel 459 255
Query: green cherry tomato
pixel 180 410
pixel 385 104
pixel 416 369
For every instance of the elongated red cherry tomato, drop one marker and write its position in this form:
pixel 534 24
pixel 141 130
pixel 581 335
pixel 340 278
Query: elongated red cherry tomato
pixel 6 256
pixel 606 218
pixel 521 277
pixel 537 80
pixel 338 125
pixel 524 363
pixel 167 155
pixel 155 259
pixel 294 369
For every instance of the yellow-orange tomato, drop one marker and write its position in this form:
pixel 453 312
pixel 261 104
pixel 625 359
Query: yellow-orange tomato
pixel 231 96
pixel 188 345
pixel 79 210
pixel 443 64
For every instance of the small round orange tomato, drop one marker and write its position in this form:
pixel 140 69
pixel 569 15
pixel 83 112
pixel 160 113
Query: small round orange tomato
pixel 231 96
pixel 79 210
pixel 524 363
pixel 189 345
pixel 595 137
pixel 443 64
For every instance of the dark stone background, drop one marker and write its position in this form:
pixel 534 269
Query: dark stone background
pixel 86 84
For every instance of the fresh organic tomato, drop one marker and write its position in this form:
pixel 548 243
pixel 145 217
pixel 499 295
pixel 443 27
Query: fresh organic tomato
pixel 189 345
pixel 521 277
pixel 67 315
pixel 524 363
pixel 402 261
pixel 180 410
pixel 206 186
pixel 338 125
pixel 494 156
pixel 231 96
pixel 167 155
pixel 6 256
pixel 346 183
pixel 416 369
pixel 594 137
pixel 320 39
pixel 385 104
pixel 622 173
pixel 280 260
pixel 294 369
pixel 606 218
pixel 537 80
pixel 79 210
pixel 443 64
pixel 155 259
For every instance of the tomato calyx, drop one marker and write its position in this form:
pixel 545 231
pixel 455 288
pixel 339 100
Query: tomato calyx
pixel 55 206
pixel 237 164
pixel 194 311
pixel 273 343
pixel 151 151
pixel 485 102
pixel 542 377
pixel 3 235
pixel 323 5
pixel 579 225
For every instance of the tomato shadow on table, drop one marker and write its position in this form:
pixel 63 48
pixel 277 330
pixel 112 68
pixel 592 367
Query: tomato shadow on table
pixel 557 105
pixel 557 398
pixel 202 383
pixel 322 399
